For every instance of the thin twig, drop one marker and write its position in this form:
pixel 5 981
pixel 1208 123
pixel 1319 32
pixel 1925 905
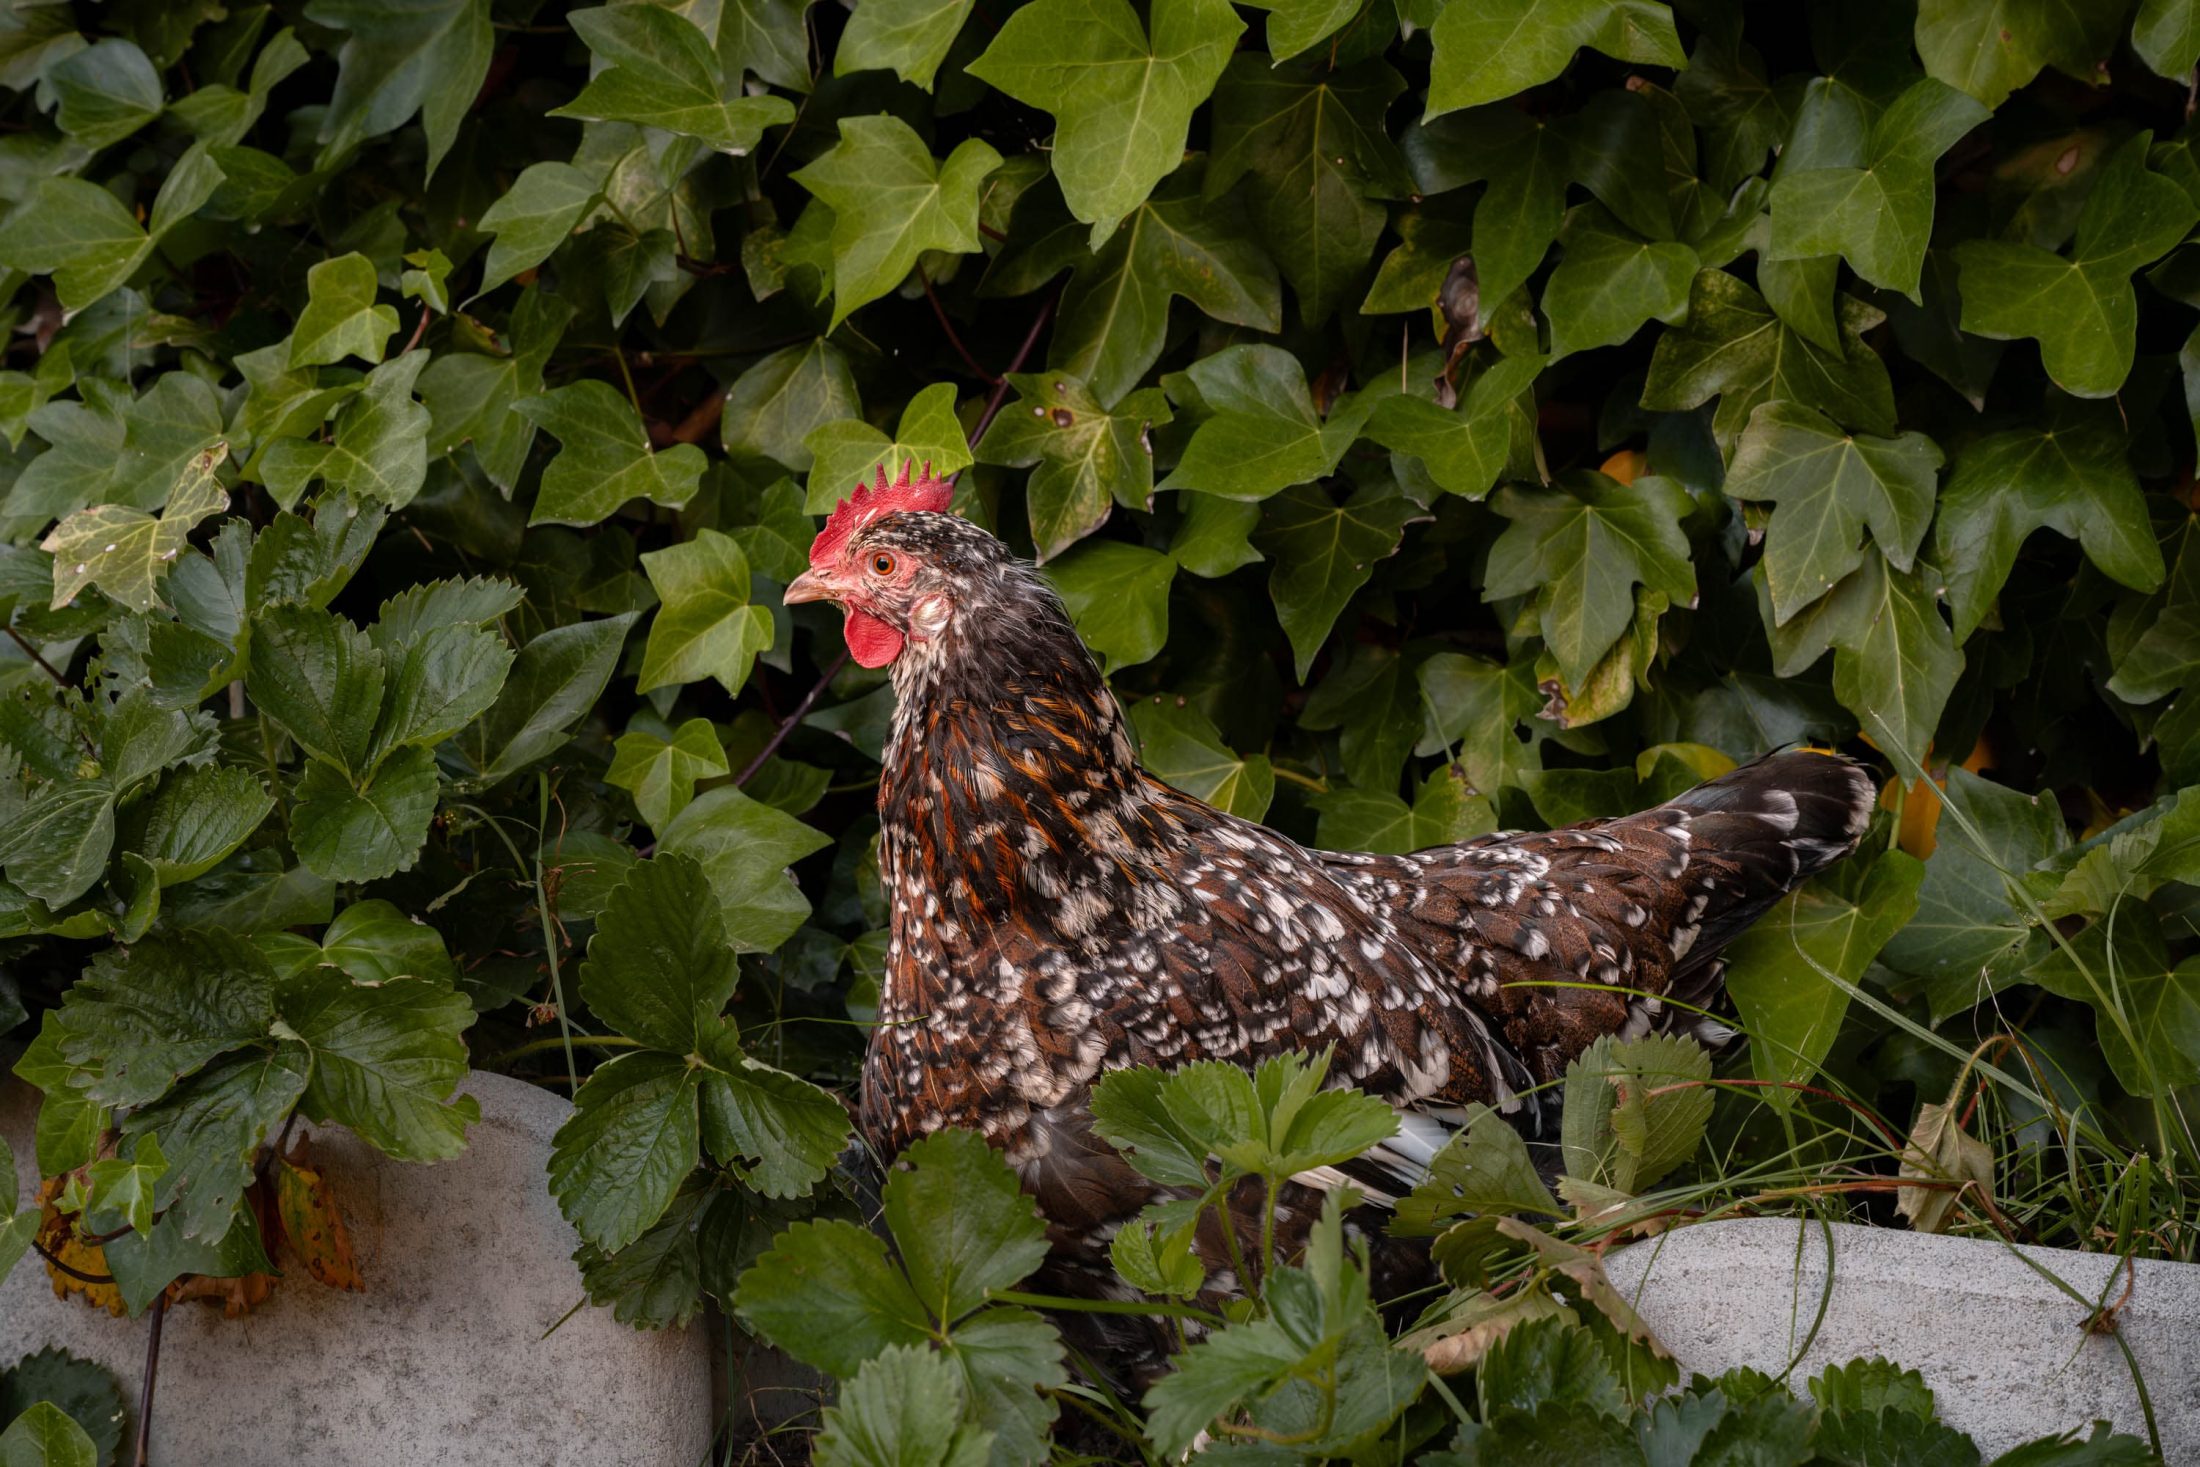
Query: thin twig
pixel 786 725
pixel 35 656
pixel 145 1392
pixel 420 330
pixel 75 1273
pixel 1000 390
pixel 939 313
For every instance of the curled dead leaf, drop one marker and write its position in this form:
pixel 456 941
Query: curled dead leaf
pixel 57 1236
pixel 312 1227
pixel 1941 1150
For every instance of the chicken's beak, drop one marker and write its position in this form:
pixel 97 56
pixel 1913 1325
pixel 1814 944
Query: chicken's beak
pixel 809 586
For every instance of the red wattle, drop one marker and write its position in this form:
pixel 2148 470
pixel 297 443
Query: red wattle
pixel 870 641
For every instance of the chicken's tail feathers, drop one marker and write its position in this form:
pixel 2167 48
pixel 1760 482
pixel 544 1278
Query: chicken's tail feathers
pixel 1758 831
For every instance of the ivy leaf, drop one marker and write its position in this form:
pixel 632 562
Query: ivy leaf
pixel 1311 141
pixel 381 446
pixel 1118 598
pixel 1115 310
pixel 663 74
pixel 1895 661
pixel 120 1191
pixel 555 679
pixel 1827 488
pixel 1735 348
pixel 126 552
pixel 604 458
pixel 907 37
pixel 1211 539
pixel 659 968
pixel 539 210
pixel 1464 449
pixel 82 235
pixel 341 319
pixel 470 394
pixel 1838 922
pixel 1294 25
pixel 1611 281
pixel 661 774
pixel 1443 812
pixel 632 1140
pixel 1085 458
pixel 2166 34
pixel 1122 103
pixel 1526 161
pixel 1485 1167
pixel 1878 214
pixel 47 1436
pixel 348 828
pixel 1180 746
pixel 2081 308
pixel 2071 477
pixel 429 57
pixel 1264 434
pixel 1581 546
pixel 106 92
pixel 705 626
pixel 2159 1002
pixel 745 847
pixel 891 202
pixel 779 402
pixel 1488 52
pixel 1323 551
pixel 1991 50
pixel 844 455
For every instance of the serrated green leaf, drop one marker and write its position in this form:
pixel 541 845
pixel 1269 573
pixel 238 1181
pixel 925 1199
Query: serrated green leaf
pixel 139 1020
pixel 364 829
pixel 321 678
pixel 376 943
pixel 827 1294
pixel 745 847
pixel 386 1060
pixel 776 1131
pixel 961 1223
pixel 196 818
pixel 56 847
pixel 1485 1168
pixel 1122 102
pixel 659 968
pixel 554 680
pixel 632 1139
pixel 213 1125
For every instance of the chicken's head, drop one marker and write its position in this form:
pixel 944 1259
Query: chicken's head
pixel 881 578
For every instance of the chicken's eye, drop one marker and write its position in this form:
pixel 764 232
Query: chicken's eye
pixel 882 564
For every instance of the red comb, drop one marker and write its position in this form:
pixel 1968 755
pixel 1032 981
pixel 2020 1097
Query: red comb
pixel 923 492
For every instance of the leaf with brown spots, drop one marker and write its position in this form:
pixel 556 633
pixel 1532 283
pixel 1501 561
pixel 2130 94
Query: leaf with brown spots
pixel 312 1226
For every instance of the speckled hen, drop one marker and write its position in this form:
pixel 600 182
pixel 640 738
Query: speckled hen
pixel 1058 912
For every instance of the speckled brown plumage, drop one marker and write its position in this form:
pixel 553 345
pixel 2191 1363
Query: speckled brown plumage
pixel 1058 913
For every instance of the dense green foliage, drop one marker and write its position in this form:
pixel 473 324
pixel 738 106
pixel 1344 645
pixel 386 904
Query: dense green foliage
pixel 1438 416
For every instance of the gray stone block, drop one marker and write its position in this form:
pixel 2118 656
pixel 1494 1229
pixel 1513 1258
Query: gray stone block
pixel 441 1363
pixel 2004 1349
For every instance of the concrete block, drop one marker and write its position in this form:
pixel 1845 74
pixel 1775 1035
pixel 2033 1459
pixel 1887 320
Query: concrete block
pixel 441 1363
pixel 2003 1348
